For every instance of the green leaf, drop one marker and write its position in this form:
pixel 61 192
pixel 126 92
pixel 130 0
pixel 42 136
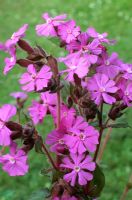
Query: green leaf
pixel 97 184
pixel 40 194
pixel 120 125
pixel 38 145
pixel 95 124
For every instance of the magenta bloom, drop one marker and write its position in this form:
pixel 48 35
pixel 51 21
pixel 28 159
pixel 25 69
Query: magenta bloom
pixel 101 89
pixel 67 116
pixel 33 80
pixel 56 141
pixel 88 51
pixel 49 99
pixel 6 112
pixel 68 31
pixel 10 62
pixel 125 91
pixel 110 65
pixel 101 37
pixel 81 167
pixel 10 47
pixel 16 36
pixel 39 110
pixel 19 95
pixel 81 137
pixel 76 65
pixel 127 71
pixel 80 44
pixel 49 28
pixel 15 162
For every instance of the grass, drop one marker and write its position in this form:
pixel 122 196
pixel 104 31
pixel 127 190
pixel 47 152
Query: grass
pixel 113 16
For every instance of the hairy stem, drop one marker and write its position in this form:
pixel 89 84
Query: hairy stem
pixel 58 109
pixel 104 145
pixel 49 156
pixel 18 115
pixel 123 197
pixel 100 114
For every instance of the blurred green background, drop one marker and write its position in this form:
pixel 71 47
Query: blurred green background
pixel 112 16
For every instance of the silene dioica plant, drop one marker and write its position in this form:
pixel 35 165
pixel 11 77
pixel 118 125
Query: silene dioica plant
pixel 84 100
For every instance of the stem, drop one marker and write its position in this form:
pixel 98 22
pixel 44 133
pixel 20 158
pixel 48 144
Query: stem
pixel 58 109
pixel 100 131
pixel 2 150
pixel 49 156
pixel 18 115
pixel 123 197
pixel 104 145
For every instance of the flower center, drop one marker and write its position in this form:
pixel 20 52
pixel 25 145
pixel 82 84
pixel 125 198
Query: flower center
pixel 61 141
pixel 73 67
pixel 102 89
pixel 77 168
pixel 33 76
pixel 82 136
pixel 12 160
pixel 126 93
pixel 69 31
pixel 49 20
pixel 85 49
pixel 65 114
pixel 100 36
pixel 107 62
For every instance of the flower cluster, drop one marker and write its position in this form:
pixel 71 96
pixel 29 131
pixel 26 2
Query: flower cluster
pixel 93 78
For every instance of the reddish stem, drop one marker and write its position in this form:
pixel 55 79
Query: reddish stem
pixel 123 197
pixel 58 109
pixel 104 145
pixel 49 157
pixel 100 131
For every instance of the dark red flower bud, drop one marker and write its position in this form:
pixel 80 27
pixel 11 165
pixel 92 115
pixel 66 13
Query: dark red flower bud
pixel 24 45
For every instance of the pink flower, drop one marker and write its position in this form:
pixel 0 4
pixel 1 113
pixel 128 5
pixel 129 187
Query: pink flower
pixel 49 99
pixel 68 31
pixel 16 36
pixel 101 37
pixel 101 88
pixel 76 65
pixel 80 166
pixel 10 47
pixel 33 80
pixel 15 162
pixel 49 28
pixel 6 112
pixel 19 95
pixel 80 44
pixel 39 110
pixel 89 52
pixel 127 71
pixel 81 137
pixel 56 141
pixel 125 91
pixel 110 65
pixel 10 62
pixel 67 116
